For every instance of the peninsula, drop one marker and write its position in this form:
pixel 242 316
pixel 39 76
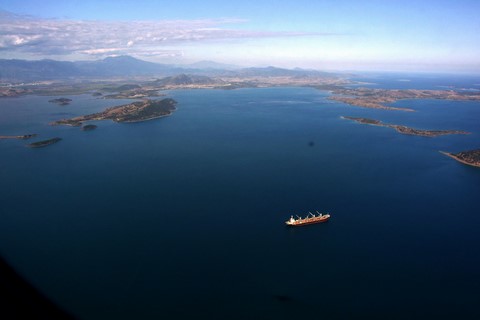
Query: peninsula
pixel 404 129
pixel 471 157
pixel 43 143
pixel 377 98
pixel 24 137
pixel 132 91
pixel 133 112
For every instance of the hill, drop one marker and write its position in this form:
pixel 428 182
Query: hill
pixel 183 79
pixel 14 70
pixel 23 70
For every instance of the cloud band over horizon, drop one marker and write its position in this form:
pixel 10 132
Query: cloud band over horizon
pixel 59 37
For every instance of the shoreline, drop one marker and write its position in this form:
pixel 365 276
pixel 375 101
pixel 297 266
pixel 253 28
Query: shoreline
pixel 453 156
pixel 404 129
pixel 152 118
pixel 138 111
pixel 357 102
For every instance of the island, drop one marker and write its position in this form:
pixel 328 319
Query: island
pixel 43 143
pixel 377 98
pixel 471 157
pixel 89 127
pixel 61 101
pixel 133 112
pixel 23 137
pixel 404 129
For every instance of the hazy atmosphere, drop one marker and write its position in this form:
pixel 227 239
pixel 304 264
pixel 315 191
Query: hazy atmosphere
pixel 436 36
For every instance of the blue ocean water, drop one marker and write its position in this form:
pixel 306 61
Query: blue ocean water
pixel 183 217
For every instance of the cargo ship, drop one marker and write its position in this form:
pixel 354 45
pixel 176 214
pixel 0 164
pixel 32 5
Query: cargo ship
pixel 309 219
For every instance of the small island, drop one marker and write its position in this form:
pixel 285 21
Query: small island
pixel 61 101
pixel 471 157
pixel 89 127
pixel 43 143
pixel 24 137
pixel 404 129
pixel 133 112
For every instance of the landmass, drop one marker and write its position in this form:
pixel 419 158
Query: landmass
pixel 377 98
pixel 248 78
pixel 24 137
pixel 132 112
pixel 404 129
pixel 44 143
pixel 471 157
pixel 14 92
pixel 131 91
pixel 89 127
pixel 135 94
pixel 61 101
pixel 144 87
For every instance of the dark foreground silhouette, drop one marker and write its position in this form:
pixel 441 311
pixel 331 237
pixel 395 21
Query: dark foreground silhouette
pixel 20 300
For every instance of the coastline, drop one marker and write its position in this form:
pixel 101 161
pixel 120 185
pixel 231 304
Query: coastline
pixel 453 156
pixel 404 129
pixel 147 119
pixel 357 102
pixel 133 112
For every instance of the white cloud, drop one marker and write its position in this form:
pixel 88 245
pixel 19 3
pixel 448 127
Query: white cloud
pixel 45 37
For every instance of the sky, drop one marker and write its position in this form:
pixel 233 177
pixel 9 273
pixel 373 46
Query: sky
pixel 427 35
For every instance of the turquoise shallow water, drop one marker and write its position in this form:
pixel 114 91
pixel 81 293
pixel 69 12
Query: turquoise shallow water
pixel 182 217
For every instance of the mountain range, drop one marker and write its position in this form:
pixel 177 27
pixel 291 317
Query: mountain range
pixel 15 70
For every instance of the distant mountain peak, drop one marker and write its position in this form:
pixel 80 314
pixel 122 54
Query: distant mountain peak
pixel 122 58
pixel 15 70
pixel 184 79
pixel 208 64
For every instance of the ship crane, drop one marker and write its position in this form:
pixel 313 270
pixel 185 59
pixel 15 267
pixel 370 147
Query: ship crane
pixel 309 219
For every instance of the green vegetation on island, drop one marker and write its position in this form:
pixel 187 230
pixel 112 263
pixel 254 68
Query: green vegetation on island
pixel 471 157
pixel 132 112
pixel 404 129
pixel 44 143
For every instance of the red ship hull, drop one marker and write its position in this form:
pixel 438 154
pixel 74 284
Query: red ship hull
pixel 307 221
